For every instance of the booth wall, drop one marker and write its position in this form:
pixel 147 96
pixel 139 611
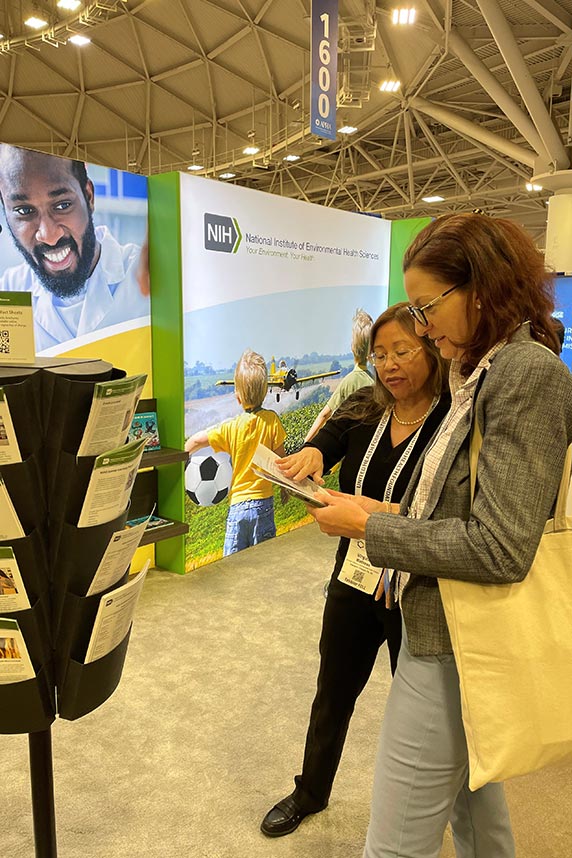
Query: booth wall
pixel 284 278
pixel 112 322
pixel 166 308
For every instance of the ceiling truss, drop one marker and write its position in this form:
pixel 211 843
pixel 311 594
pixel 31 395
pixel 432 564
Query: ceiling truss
pixel 484 101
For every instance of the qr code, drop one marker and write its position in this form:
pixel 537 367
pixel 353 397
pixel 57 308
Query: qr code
pixel 5 342
pixel 358 576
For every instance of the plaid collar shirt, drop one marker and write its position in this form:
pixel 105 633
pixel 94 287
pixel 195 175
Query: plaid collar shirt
pixel 462 392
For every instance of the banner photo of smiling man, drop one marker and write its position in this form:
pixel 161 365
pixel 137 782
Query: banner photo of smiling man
pixel 81 278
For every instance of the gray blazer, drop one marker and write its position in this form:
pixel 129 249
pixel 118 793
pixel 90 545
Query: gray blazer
pixel 524 410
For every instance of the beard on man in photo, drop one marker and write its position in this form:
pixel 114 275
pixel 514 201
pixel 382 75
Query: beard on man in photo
pixel 65 284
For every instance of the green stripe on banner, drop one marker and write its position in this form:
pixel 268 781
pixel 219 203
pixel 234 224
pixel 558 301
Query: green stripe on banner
pixel 167 337
pixel 402 234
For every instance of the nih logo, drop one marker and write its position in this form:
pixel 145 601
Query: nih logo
pixel 222 233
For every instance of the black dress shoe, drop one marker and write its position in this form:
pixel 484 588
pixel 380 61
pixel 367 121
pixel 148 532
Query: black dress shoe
pixel 284 818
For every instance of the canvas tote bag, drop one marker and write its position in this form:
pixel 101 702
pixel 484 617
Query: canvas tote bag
pixel 513 650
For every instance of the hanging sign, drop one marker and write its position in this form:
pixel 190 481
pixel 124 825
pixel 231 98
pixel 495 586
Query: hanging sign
pixel 323 87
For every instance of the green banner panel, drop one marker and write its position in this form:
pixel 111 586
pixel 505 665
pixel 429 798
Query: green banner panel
pixel 402 234
pixel 167 338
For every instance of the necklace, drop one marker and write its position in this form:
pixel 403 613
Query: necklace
pixel 411 422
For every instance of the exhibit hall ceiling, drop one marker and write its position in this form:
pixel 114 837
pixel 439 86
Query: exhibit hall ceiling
pixel 481 101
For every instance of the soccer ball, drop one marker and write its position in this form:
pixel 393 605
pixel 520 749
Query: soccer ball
pixel 207 477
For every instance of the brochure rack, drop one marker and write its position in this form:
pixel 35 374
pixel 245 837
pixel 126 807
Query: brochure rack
pixel 49 405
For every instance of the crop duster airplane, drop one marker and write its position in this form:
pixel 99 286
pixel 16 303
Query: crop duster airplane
pixel 283 379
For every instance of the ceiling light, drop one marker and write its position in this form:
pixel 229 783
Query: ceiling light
pixel 227 175
pixel 434 199
pixel 79 40
pixel 390 85
pixel 71 5
pixel 35 23
pixel 1 35
pixel 404 16
pixel 196 167
pixel 291 157
pixel 347 129
pixel 530 186
pixel 251 150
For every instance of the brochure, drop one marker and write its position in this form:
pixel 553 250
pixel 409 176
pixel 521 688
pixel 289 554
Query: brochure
pixel 10 527
pixel 16 328
pixel 13 596
pixel 263 464
pixel 118 555
pixel 110 484
pixel 114 617
pixel 151 521
pixel 9 449
pixel 15 664
pixel 144 425
pixel 110 415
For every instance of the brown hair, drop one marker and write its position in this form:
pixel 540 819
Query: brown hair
pixel 496 261
pixel 369 403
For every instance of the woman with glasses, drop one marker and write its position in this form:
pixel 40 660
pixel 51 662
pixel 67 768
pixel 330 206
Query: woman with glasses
pixel 479 290
pixel 378 433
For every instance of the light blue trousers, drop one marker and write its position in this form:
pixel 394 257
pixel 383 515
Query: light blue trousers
pixel 421 775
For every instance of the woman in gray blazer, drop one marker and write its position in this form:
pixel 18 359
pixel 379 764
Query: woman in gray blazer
pixel 479 289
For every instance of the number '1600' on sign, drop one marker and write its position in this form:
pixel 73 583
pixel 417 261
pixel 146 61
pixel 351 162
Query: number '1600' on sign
pixel 324 71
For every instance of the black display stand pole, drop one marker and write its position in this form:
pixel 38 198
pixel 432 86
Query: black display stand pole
pixel 49 405
pixel 43 803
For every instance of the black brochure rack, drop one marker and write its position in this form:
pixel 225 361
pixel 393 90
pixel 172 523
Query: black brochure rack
pixel 49 404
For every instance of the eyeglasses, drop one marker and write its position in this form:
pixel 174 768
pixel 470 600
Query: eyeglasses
pixel 402 356
pixel 419 313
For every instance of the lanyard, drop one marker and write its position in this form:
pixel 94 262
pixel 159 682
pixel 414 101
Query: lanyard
pixel 394 476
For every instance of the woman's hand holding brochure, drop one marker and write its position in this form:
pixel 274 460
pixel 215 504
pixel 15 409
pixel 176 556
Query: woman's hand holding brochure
pixel 264 463
pixel 307 462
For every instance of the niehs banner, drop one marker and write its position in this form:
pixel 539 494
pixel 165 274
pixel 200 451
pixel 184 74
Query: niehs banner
pixel 323 89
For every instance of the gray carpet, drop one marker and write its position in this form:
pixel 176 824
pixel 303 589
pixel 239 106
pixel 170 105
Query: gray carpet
pixel 207 727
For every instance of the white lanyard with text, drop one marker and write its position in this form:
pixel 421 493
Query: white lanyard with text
pixel 357 571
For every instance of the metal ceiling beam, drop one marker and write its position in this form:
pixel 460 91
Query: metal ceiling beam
pixel 522 77
pixel 228 43
pixel 553 12
pixel 275 35
pixel 507 164
pixel 434 143
pixel 420 166
pixel 565 59
pixel 457 123
pixel 497 92
pixel 410 177
pixel 377 166
pixel 497 193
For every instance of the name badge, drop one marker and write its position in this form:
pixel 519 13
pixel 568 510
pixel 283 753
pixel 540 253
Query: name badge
pixel 357 571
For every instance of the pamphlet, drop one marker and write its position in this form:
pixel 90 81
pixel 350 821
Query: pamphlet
pixel 9 449
pixel 144 425
pixel 151 522
pixel 15 664
pixel 114 617
pixel 111 413
pixel 13 596
pixel 264 465
pixel 16 328
pixel 118 555
pixel 110 484
pixel 10 527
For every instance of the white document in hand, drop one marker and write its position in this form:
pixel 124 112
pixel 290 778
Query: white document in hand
pixel 264 464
